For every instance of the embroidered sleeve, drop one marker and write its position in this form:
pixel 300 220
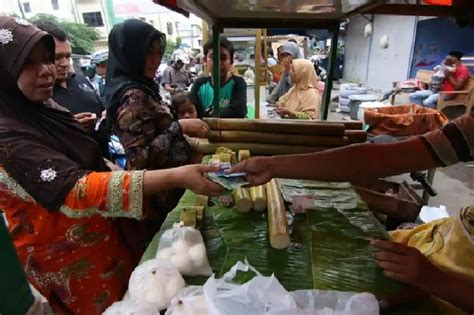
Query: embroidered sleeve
pixel 302 115
pixel 453 143
pixel 151 138
pixel 112 195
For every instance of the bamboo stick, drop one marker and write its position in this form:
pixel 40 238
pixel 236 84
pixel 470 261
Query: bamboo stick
pixel 277 224
pixel 278 126
pixel 356 136
pixel 276 138
pixel 204 147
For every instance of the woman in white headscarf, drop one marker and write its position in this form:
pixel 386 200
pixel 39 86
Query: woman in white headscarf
pixel 303 100
pixel 288 53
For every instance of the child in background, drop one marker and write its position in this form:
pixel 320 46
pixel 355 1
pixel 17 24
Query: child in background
pixel 183 107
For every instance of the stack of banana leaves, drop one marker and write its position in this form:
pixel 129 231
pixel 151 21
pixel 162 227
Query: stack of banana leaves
pixel 270 137
pixel 329 247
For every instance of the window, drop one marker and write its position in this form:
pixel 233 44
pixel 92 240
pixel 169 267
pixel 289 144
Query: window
pixel 93 19
pixel 55 4
pixel 26 7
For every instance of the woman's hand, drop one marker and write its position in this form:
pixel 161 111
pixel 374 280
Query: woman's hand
pixel 193 177
pixel 87 120
pixel 284 112
pixel 194 127
pixel 258 170
pixel 405 264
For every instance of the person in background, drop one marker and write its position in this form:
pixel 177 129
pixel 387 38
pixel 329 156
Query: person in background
pixel 271 60
pixel 303 100
pixel 233 90
pixel 183 107
pixel 99 60
pixel 453 81
pixel 59 198
pixel 176 78
pixel 74 91
pixel 152 138
pixel 436 257
pixel 288 53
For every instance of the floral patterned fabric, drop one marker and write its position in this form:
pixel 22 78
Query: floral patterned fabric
pixel 152 139
pixel 75 256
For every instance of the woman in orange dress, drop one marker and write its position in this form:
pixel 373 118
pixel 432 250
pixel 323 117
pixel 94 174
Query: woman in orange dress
pixel 56 192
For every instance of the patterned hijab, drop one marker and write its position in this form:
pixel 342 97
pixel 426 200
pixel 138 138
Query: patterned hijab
pixel 42 146
pixel 129 42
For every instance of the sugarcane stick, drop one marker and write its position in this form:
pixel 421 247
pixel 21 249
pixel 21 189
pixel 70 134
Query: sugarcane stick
pixel 259 198
pixel 275 138
pixel 356 136
pixel 242 200
pixel 277 223
pixel 204 147
pixel 244 155
pixel 278 126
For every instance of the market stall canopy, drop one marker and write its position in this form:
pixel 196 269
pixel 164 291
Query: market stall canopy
pixel 173 5
pixel 309 14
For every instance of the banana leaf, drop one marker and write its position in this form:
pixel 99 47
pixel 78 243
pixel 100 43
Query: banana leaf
pixel 329 247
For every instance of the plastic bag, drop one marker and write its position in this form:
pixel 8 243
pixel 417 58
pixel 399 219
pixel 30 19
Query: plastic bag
pixel 184 247
pixel 156 281
pixel 131 307
pixel 265 295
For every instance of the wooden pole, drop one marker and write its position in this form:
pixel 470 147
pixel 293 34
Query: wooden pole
pixel 205 37
pixel 330 73
pixel 216 73
pixel 258 57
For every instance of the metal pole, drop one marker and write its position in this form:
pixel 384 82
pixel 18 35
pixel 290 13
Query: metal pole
pixel 216 71
pixel 258 71
pixel 330 72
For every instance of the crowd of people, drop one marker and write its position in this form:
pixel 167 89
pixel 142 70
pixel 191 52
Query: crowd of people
pixel 80 224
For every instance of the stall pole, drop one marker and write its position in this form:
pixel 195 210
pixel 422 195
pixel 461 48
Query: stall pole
pixel 216 76
pixel 258 58
pixel 330 72
pixel 205 37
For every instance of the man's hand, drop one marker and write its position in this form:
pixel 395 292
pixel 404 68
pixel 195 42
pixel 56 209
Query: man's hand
pixel 87 120
pixel 405 264
pixel 194 127
pixel 258 170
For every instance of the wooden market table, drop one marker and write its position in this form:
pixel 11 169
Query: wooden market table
pixel 329 247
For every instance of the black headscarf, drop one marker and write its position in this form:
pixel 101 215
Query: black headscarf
pixel 129 42
pixel 42 146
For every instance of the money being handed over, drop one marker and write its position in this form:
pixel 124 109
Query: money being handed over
pixel 229 181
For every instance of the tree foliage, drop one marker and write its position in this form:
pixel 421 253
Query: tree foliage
pixel 81 36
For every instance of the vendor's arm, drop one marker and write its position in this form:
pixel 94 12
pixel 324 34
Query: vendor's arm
pixel 150 137
pixel 406 264
pixel 238 103
pixel 442 147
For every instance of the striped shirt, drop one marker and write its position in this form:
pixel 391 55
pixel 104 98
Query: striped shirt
pixel 454 142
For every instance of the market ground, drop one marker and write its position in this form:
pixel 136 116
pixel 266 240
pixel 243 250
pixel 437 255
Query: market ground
pixel 454 184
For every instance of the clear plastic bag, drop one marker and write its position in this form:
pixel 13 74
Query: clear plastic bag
pixel 156 281
pixel 265 295
pixel 184 247
pixel 131 307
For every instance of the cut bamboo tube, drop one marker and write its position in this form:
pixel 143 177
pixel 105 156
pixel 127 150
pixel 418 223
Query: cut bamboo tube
pixel 243 155
pixel 259 198
pixel 356 136
pixel 277 223
pixel 204 147
pixel 275 138
pixel 242 200
pixel 277 126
